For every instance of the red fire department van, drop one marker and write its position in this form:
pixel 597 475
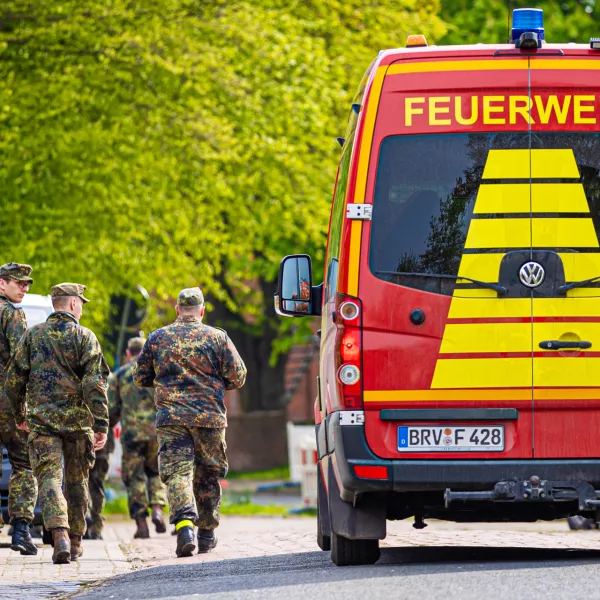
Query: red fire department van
pixel 460 349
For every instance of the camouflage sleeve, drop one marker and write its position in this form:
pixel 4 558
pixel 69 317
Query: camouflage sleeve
pixel 93 381
pixel 115 404
pixel 14 327
pixel 17 375
pixel 143 373
pixel 233 369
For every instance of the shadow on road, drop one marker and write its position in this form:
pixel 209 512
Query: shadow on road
pixel 306 568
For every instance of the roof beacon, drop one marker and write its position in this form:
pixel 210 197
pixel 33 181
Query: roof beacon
pixel 528 28
pixel 595 43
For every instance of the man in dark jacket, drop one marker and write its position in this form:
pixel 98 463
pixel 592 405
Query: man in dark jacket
pixel 56 385
pixel 190 366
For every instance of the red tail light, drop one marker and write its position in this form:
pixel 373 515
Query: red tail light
pixel 348 350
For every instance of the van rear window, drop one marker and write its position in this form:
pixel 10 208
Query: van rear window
pixel 425 193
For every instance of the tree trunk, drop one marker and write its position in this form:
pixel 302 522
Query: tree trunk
pixel 265 384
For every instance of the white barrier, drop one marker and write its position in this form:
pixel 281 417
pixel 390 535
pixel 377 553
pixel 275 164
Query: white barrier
pixel 114 461
pixel 296 437
pixel 309 480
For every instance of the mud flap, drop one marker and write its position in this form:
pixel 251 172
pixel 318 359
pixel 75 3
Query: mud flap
pixel 365 521
pixel 323 506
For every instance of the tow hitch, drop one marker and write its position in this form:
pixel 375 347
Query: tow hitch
pixel 533 490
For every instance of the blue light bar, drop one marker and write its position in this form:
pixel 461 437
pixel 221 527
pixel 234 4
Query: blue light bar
pixel 527 20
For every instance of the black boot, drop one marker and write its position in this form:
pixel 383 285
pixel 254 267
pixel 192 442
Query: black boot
pixel 207 540
pixel 185 542
pixel 21 539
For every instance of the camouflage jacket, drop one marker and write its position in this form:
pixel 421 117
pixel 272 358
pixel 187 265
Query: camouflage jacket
pixel 60 365
pixel 133 406
pixel 12 326
pixel 190 365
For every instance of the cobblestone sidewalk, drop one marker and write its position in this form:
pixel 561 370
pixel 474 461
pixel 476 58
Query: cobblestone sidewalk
pixel 241 537
pixel 35 577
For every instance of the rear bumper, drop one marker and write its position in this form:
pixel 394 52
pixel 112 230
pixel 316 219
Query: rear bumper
pixel 350 448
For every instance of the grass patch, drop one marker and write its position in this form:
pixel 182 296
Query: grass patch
pixel 116 506
pixel 279 473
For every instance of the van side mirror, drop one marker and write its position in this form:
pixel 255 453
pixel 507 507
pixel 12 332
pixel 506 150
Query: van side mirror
pixel 296 296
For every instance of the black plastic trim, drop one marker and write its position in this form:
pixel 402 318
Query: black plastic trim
pixel 436 475
pixel 449 414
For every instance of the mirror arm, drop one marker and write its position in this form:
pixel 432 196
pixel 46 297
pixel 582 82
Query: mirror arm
pixel 316 299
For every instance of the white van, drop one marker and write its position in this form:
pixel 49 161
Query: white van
pixel 37 308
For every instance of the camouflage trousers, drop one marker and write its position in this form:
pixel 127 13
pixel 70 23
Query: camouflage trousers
pixel 98 474
pixel 191 461
pixel 47 453
pixel 22 486
pixel 139 470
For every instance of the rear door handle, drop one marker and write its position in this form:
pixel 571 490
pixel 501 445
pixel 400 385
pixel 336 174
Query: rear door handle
pixel 558 345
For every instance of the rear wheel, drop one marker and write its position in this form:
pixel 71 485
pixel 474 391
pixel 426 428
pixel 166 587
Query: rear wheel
pixel 345 552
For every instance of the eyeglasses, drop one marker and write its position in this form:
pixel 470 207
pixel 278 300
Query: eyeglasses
pixel 24 285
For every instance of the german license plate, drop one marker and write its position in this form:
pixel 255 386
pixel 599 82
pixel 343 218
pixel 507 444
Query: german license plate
pixel 450 438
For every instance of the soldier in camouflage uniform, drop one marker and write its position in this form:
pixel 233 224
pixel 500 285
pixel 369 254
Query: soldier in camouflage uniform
pixel 15 280
pixel 134 407
pixel 98 475
pixel 190 366
pixel 60 366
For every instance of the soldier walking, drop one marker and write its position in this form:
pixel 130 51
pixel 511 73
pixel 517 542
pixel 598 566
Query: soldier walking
pixel 15 281
pixel 60 366
pixel 190 366
pixel 98 475
pixel 134 407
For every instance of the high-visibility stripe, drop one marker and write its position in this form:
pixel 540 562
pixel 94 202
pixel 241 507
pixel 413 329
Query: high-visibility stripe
pixel 458 65
pixel 485 395
pixel 536 198
pixel 361 178
pixel 520 164
pixel 539 232
pixel 482 372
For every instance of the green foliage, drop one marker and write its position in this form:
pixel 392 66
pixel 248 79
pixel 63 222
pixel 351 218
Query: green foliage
pixel 179 142
pixel 487 21
pixel 276 474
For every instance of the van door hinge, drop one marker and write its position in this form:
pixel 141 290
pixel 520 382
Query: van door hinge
pixel 359 212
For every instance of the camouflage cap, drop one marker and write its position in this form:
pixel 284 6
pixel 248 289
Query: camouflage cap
pixel 69 289
pixel 190 297
pixel 135 345
pixel 16 271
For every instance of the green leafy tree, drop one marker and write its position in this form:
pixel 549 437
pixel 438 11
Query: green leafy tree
pixel 173 143
pixel 488 21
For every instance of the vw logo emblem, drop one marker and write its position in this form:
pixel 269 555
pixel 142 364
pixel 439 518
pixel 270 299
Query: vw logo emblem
pixel 532 274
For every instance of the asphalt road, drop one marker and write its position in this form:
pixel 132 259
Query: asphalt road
pixel 422 573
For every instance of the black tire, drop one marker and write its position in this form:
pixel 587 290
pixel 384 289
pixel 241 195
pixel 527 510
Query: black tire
pixel 345 552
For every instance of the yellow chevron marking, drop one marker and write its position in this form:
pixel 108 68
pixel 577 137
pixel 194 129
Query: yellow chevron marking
pixel 477 308
pixel 553 163
pixel 555 372
pixel 482 372
pixel 499 233
pixel 507 164
pixel 563 233
pixel 539 197
pixel 517 233
pixel 518 164
pixel 487 337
